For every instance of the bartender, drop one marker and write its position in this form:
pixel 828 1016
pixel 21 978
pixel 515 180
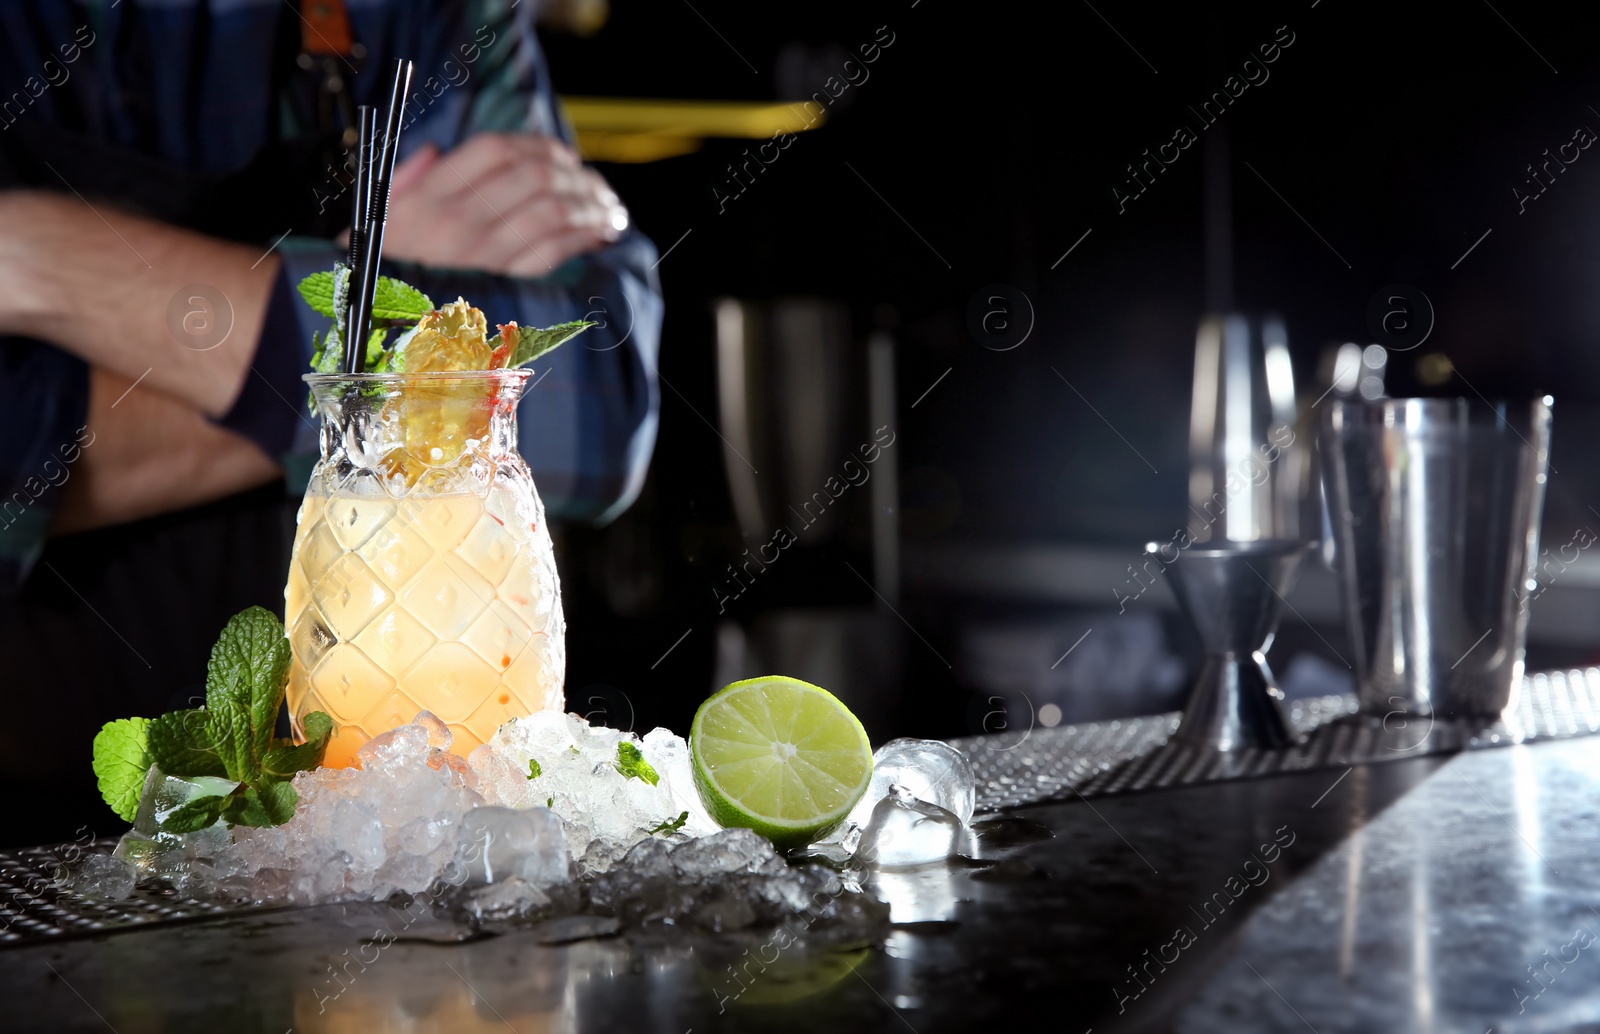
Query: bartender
pixel 168 172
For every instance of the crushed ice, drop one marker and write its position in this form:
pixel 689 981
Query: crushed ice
pixel 541 822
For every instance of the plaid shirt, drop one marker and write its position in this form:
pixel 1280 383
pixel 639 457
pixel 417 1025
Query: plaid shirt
pixel 200 87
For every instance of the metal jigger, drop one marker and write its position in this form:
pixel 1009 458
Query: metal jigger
pixel 1234 596
pixel 1248 473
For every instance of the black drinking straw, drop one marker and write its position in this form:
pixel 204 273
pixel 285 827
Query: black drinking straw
pixel 377 213
pixel 358 228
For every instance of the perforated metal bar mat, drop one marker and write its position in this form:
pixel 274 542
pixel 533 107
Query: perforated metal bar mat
pixel 38 904
pixel 1130 754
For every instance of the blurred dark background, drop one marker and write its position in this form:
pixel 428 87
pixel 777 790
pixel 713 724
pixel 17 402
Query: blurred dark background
pixel 983 146
pixel 970 582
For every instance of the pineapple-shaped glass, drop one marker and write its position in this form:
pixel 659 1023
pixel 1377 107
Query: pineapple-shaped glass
pixel 422 576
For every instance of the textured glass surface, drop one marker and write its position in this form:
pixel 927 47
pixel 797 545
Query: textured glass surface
pixel 422 576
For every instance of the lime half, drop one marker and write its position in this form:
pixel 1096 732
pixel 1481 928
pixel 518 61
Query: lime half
pixel 779 756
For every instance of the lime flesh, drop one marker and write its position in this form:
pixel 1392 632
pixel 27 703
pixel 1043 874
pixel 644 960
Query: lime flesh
pixel 781 757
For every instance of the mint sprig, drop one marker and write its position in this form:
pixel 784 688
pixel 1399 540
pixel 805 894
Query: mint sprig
pixel 230 737
pixel 398 304
pixel 631 763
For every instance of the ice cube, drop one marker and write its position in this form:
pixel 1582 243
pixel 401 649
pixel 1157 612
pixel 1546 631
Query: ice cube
pixel 103 876
pixel 391 750
pixel 455 764
pixel 506 899
pixel 935 773
pixel 408 872
pixel 495 844
pixel 357 832
pixel 668 753
pixel 421 835
pixel 209 855
pixel 795 889
pixel 649 860
pixel 724 910
pixel 439 735
pixel 161 858
pixel 319 881
pixel 707 859
pixel 642 886
pixel 602 740
pixel 841 842
pixel 267 885
pixel 164 794
pixel 539 735
pixel 500 780
pixel 906 831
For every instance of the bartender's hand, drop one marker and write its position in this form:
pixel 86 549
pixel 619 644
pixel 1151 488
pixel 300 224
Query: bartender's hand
pixel 509 203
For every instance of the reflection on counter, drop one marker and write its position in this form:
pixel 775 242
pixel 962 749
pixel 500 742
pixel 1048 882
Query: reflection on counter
pixel 468 991
pixel 922 895
pixel 487 985
pixel 1467 904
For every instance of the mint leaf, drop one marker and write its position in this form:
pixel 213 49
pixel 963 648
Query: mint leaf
pixel 245 681
pixel 317 290
pixel 396 300
pixel 327 359
pixel 328 293
pixel 263 804
pixel 121 759
pixel 375 352
pixel 533 768
pixel 196 815
pixel 230 737
pixel 668 828
pixel 183 744
pixel 532 342
pixel 632 765
pixel 393 299
pixel 319 347
pixel 392 360
pixel 283 760
pixel 341 294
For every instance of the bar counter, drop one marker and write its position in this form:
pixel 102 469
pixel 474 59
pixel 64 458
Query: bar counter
pixel 1433 893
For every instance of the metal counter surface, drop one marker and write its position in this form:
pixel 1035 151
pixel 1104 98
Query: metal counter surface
pixel 1407 896
pixel 1471 903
